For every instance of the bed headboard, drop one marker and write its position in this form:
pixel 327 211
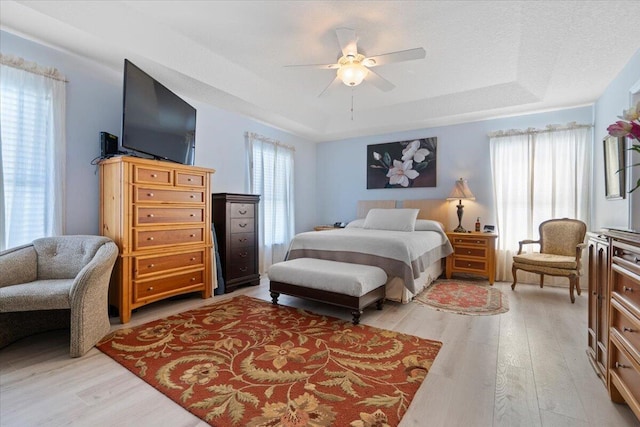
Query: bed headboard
pixel 435 209
pixel 365 205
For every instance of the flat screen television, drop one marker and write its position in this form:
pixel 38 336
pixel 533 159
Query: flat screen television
pixel 156 121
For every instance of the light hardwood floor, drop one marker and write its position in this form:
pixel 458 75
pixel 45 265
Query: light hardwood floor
pixel 527 367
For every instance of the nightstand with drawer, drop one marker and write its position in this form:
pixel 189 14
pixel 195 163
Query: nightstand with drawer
pixel 473 253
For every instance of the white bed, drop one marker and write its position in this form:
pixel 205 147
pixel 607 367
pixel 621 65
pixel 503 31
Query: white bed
pixel 411 259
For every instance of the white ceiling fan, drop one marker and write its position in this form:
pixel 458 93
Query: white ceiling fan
pixel 353 67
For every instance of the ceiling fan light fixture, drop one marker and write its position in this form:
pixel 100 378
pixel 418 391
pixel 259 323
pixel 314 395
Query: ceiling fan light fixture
pixel 353 73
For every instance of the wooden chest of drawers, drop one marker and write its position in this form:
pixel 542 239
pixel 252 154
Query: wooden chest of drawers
pixel 235 218
pixel 624 317
pixel 472 253
pixel 598 316
pixel 159 215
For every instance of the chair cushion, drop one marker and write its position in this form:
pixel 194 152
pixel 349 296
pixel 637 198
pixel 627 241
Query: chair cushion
pixel 547 260
pixel 63 257
pixel 36 295
pixel 340 277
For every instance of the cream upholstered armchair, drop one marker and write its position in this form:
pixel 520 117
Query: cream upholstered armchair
pixel 57 282
pixel 561 243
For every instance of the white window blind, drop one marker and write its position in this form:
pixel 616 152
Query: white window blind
pixel 271 176
pixel 31 154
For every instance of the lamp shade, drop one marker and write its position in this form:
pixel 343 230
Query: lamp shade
pixel 352 73
pixel 461 191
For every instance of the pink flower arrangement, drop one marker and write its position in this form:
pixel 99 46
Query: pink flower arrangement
pixel 629 126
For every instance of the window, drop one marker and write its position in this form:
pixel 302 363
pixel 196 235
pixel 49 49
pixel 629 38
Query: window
pixel 32 102
pixel 271 176
pixel 537 175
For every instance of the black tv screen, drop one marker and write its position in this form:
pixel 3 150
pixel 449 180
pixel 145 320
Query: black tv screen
pixel 156 121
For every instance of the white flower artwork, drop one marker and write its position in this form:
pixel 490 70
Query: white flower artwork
pixel 403 164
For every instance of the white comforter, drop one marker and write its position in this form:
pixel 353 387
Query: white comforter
pixel 399 253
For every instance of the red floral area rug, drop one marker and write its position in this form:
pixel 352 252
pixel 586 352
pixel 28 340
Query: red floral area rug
pixel 247 362
pixel 464 297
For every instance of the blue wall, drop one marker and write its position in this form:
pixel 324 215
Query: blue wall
pixel 463 151
pixel 94 104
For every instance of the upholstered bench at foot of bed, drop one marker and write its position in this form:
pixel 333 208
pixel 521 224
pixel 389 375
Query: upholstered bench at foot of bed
pixel 354 286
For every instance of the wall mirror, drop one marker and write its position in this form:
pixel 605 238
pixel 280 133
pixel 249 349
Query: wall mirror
pixel 614 170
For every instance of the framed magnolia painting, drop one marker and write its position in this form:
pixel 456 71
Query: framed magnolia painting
pixel 403 164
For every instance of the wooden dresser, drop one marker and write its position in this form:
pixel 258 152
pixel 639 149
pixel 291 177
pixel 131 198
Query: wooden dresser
pixel 598 317
pixel 472 253
pixel 158 213
pixel 235 218
pixel 624 319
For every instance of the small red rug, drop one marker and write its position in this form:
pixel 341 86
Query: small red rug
pixel 463 297
pixel 247 362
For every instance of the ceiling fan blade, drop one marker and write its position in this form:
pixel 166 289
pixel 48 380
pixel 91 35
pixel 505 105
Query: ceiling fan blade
pixel 334 83
pixel 378 81
pixel 348 41
pixel 322 66
pixel 402 55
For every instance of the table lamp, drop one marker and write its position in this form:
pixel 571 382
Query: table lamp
pixel 461 191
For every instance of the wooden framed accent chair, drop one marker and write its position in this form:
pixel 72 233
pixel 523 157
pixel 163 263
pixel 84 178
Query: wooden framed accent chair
pixel 54 283
pixel 561 243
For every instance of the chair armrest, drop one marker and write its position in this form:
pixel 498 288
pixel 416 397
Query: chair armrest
pixel 95 274
pixel 18 265
pixel 525 242
pixel 579 248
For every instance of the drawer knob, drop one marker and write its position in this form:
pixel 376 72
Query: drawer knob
pixel 189 179
pixel 151 265
pixel 149 238
pixel 154 175
pixel 192 235
pixel 192 259
pixel 620 365
pixel 625 329
pixel 150 194
pixel 150 288
pixel 478 241
pixel 627 289
pixel 192 215
pixel 242 254
pixel 243 269
pixel 244 239
pixel 469 265
pixel 192 196
pixel 242 212
pixel 636 259
pixel 150 215
pixel 243 225
pixel 193 279
pixel 468 252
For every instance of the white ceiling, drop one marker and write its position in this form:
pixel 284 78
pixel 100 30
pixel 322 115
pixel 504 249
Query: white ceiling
pixel 485 59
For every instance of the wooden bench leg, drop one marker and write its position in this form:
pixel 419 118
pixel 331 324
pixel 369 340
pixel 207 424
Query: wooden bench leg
pixel 356 316
pixel 380 303
pixel 274 298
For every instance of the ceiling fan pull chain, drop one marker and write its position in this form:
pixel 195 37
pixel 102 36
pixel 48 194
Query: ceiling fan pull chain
pixel 352 103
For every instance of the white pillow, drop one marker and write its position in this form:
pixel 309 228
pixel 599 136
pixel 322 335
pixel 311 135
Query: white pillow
pixel 356 223
pixel 391 219
pixel 428 225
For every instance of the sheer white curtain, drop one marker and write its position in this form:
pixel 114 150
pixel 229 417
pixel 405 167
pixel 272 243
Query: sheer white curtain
pixel 32 151
pixel 537 175
pixel 271 176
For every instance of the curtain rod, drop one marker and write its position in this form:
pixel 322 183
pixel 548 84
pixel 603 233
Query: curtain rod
pixel 531 131
pixel 32 67
pixel 263 138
